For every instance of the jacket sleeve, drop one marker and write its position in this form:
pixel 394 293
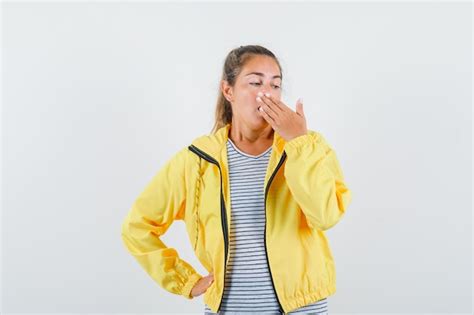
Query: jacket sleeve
pixel 316 181
pixel 161 202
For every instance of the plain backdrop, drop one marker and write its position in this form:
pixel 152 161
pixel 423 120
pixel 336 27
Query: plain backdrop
pixel 98 96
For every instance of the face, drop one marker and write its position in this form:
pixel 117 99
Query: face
pixel 260 74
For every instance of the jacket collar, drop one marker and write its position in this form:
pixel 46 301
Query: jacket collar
pixel 215 143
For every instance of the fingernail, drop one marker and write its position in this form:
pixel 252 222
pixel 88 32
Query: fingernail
pixel 260 94
pixel 259 99
pixel 267 94
pixel 300 100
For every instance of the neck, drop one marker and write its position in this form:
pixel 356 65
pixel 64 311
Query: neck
pixel 241 133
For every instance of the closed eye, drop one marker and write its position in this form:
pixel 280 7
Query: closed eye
pixel 255 83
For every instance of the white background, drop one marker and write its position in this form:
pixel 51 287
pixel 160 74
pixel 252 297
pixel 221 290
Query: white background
pixel 97 96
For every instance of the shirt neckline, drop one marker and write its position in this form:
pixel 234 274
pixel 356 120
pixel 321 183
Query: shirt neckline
pixel 246 154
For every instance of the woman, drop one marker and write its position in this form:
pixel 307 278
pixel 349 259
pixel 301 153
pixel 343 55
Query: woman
pixel 256 196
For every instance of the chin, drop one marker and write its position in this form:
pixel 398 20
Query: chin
pixel 260 123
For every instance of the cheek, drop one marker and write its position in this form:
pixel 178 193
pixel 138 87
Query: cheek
pixel 277 94
pixel 248 98
pixel 250 93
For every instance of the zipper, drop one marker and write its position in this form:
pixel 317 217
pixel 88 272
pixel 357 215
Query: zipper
pixel 265 233
pixel 210 159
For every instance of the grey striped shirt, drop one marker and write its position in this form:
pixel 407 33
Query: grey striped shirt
pixel 248 286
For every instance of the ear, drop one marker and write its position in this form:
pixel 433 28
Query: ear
pixel 227 91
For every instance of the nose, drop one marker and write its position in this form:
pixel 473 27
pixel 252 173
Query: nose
pixel 267 88
pixel 262 92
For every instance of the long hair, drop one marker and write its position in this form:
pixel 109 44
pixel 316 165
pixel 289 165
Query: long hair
pixel 233 64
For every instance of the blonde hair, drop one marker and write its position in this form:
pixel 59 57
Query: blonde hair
pixel 233 64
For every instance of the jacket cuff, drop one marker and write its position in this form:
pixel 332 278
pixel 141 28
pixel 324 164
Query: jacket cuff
pixel 295 144
pixel 188 286
pixel 298 141
pixel 310 144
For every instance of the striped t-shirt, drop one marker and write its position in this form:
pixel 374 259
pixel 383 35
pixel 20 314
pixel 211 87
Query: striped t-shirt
pixel 248 285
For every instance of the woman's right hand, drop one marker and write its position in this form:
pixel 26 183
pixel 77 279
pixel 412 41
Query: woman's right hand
pixel 201 286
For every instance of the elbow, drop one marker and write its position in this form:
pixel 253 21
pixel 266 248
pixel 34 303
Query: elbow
pixel 326 225
pixel 125 233
pixel 333 211
pixel 124 226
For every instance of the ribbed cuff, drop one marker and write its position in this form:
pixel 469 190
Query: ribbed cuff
pixel 295 143
pixel 192 280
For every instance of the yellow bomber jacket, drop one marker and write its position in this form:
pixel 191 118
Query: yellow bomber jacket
pixel 305 195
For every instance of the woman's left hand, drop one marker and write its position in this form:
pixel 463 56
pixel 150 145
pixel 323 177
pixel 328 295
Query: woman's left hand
pixel 284 120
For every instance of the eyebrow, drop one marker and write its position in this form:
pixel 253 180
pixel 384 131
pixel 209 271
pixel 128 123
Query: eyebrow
pixel 262 75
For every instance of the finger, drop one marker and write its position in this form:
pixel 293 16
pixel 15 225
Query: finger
pixel 266 98
pixel 299 107
pixel 270 120
pixel 277 103
pixel 272 102
pixel 270 111
pixel 280 105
